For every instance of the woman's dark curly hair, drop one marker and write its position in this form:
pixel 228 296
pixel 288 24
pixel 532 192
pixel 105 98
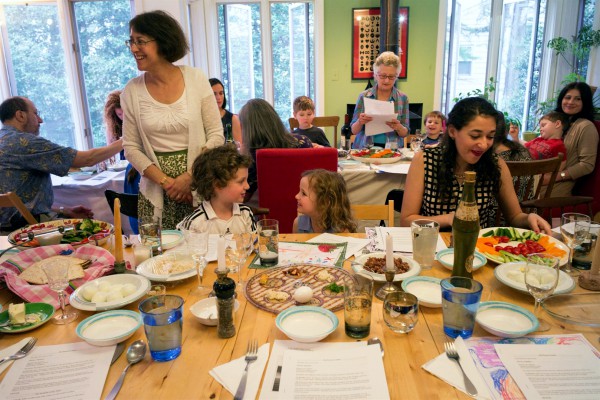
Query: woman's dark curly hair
pixel 585 92
pixel 487 167
pixel 215 167
pixel 165 30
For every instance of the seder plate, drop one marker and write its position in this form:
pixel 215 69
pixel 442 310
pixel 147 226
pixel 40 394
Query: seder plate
pixel 280 279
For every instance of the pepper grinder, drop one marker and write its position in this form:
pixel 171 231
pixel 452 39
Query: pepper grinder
pixel 224 288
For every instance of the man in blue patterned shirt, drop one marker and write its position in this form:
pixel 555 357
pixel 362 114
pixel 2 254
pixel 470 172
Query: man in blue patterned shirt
pixel 27 160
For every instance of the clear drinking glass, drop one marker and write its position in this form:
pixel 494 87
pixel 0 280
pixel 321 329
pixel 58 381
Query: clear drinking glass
pixel 239 246
pixel 150 233
pixel 415 144
pixel 197 244
pixel 57 272
pixel 368 142
pixel 541 278
pixel 574 228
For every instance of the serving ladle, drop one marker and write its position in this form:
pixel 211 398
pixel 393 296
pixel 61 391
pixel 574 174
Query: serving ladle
pixel 135 354
pixel 30 237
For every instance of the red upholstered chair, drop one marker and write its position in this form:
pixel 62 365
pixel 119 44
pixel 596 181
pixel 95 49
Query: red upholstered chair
pixel 589 185
pixel 278 173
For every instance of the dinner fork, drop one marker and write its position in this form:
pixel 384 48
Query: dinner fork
pixel 251 356
pixel 453 354
pixel 21 353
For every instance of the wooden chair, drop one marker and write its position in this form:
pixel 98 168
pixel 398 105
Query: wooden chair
pixel 524 171
pixel 321 122
pixel 10 199
pixel 375 212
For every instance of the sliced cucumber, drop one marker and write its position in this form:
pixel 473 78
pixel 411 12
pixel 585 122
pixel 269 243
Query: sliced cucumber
pixel 488 233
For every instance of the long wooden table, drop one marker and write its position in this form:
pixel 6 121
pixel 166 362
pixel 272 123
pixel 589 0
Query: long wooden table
pixel 188 377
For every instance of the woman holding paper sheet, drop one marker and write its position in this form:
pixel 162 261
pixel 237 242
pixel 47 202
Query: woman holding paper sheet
pixel 385 72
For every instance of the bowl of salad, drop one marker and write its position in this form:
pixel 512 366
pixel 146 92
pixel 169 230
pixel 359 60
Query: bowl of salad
pixel 376 156
pixel 75 231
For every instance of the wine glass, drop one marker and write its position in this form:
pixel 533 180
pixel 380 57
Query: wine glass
pixel 239 246
pixel 574 229
pixel 369 142
pixel 57 272
pixel 541 278
pixel 415 144
pixel 197 244
pixel 150 233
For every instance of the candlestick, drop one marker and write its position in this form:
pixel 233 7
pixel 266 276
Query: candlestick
pixel 595 268
pixel 221 264
pixel 389 253
pixel 390 270
pixel 118 232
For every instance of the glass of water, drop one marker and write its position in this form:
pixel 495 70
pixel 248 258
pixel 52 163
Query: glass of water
pixel 400 311
pixel 150 233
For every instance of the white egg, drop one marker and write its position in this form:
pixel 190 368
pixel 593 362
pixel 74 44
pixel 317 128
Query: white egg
pixel 116 287
pixel 88 292
pixel 303 294
pixel 99 297
pixel 128 289
pixel 114 295
pixel 104 286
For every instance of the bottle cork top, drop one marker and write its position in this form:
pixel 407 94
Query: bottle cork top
pixel 470 176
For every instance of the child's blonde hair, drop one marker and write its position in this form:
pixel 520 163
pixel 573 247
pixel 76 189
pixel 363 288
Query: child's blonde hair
pixel 332 203
pixel 558 116
pixel 303 103
pixel 437 114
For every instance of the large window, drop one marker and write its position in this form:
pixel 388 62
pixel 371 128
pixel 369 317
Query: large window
pixel 68 80
pixel 289 34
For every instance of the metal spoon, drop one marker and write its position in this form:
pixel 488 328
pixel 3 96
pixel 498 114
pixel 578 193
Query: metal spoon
pixel 135 354
pixel 375 340
pixel 30 237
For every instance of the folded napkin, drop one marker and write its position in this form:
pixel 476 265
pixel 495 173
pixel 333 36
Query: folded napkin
pixel 447 370
pixel 229 375
pixel 9 351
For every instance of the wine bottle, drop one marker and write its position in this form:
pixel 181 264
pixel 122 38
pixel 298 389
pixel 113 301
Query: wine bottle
pixel 465 229
pixel 346 133
pixel 227 133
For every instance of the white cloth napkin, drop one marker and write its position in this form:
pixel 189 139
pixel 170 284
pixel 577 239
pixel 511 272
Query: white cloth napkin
pixel 9 351
pixel 229 375
pixel 447 370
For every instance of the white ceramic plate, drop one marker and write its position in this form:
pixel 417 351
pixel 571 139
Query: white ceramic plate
pixel 446 258
pixel 89 169
pixel 169 239
pixel 141 284
pixel 505 320
pixel 118 166
pixel 205 311
pixel 306 324
pixel 357 266
pixel 349 164
pixel 426 288
pixel 109 328
pixel 563 260
pixel 369 160
pixel 50 225
pixel 81 176
pixel 504 273
pixel 150 267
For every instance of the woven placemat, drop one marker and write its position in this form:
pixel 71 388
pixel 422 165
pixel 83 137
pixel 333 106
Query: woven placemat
pixel 287 279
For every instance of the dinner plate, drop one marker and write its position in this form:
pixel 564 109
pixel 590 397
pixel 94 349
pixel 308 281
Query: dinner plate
pixel 43 310
pixel 579 308
pixel 151 267
pixel 118 166
pixel 349 164
pixel 169 239
pixel 368 160
pixel 81 176
pixel 51 225
pixel 507 273
pixel 557 243
pixel 357 266
pixel 446 258
pixel 505 320
pixel 141 284
pixel 109 328
pixel 426 288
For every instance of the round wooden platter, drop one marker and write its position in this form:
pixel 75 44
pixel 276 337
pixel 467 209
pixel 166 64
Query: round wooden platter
pixel 287 279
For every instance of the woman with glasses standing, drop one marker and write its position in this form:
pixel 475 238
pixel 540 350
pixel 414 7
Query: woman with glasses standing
pixel 170 116
pixel 386 69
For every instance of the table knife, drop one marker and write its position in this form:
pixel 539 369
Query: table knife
pixel 118 352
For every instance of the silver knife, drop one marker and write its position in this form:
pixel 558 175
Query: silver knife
pixel 118 352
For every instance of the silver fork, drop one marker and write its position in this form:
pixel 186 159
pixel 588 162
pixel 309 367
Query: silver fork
pixel 21 353
pixel 453 354
pixel 251 356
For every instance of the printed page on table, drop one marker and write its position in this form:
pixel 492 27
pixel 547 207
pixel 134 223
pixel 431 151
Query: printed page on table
pixel 327 254
pixel 355 245
pixel 402 239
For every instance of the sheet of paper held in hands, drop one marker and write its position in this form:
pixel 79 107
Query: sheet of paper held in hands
pixel 402 239
pixel 315 370
pixel 381 112
pixel 354 245
pixel 553 371
pixel 64 371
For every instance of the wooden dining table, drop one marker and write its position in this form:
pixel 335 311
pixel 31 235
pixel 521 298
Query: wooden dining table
pixel 187 377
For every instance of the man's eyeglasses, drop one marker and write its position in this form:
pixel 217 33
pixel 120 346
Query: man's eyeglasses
pixel 138 43
pixel 388 77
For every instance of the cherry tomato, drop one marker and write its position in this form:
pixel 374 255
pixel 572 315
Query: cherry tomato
pixel 489 244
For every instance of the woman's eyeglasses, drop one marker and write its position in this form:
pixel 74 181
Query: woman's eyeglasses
pixel 388 77
pixel 139 43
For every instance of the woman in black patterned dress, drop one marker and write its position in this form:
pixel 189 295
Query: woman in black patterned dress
pixel 435 178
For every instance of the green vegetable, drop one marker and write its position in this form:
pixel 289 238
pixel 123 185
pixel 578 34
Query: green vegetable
pixel 335 288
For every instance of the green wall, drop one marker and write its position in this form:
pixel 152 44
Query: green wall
pixel 422 42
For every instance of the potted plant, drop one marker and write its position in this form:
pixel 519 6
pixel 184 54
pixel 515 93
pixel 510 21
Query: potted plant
pixel 579 47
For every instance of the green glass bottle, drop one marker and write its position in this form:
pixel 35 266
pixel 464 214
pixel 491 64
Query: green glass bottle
pixel 465 229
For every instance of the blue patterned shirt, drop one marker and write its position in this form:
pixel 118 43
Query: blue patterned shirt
pixel 400 107
pixel 26 162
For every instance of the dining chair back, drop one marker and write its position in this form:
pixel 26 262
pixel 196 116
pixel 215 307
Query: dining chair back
pixel 279 171
pixel 321 122
pixel 523 171
pixel 11 199
pixel 368 212
pixel 129 202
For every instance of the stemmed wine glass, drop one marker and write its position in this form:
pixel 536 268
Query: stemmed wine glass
pixel 574 229
pixel 197 243
pixel 369 142
pixel 57 272
pixel 415 144
pixel 239 247
pixel 541 278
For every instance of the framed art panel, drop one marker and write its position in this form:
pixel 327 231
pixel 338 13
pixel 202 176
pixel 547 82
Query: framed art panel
pixel 365 41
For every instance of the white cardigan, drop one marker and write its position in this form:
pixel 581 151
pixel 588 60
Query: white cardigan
pixel 205 128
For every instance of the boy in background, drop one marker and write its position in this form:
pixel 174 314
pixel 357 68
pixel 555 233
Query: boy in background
pixel 435 123
pixel 304 112
pixel 549 143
